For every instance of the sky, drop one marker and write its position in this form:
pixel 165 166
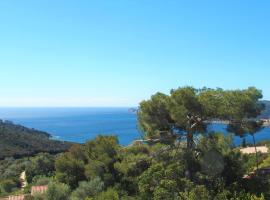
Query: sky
pixel 118 53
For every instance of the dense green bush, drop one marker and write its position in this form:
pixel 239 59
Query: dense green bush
pixel 109 194
pixel 7 186
pixel 88 189
pixel 57 191
pixel 40 165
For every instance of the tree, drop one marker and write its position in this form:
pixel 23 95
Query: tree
pixel 185 112
pixel 69 170
pixel 197 192
pixel 57 191
pixel 154 116
pixel 7 186
pixel 41 180
pixel 40 165
pixel 243 117
pixel 109 194
pixel 88 189
pixel 162 181
pixel 244 143
pixel 252 128
pixel 101 155
pixel 133 161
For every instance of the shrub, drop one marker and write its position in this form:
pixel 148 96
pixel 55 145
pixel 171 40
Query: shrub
pixel 87 189
pixel 57 191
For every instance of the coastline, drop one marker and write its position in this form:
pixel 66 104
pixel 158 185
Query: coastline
pixel 266 122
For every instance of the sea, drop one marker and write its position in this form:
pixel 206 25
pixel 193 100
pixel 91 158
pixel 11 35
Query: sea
pixel 83 124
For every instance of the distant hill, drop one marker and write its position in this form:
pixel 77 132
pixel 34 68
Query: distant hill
pixel 266 113
pixel 17 141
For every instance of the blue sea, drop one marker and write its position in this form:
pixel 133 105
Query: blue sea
pixel 83 124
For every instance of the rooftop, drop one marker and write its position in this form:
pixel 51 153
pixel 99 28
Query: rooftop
pixel 251 150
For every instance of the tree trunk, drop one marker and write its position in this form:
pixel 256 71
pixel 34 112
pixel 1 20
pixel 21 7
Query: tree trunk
pixel 189 140
pixel 188 173
pixel 254 142
pixel 189 134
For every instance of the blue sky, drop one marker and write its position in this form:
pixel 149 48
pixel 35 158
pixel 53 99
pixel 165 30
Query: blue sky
pixel 117 53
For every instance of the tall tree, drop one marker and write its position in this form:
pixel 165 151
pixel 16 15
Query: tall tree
pixel 243 128
pixel 184 112
pixel 154 116
pixel 187 111
pixel 242 109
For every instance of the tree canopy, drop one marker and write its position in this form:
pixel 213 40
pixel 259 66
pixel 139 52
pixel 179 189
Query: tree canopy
pixel 187 111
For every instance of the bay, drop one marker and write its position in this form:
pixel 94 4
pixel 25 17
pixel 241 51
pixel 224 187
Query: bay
pixel 82 124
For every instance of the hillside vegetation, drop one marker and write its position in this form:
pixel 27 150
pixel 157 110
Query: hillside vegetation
pixel 266 112
pixel 17 141
pixel 180 158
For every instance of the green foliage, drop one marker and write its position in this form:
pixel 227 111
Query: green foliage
pixel 110 194
pixel 41 180
pixel 18 141
pixel 198 192
pixel 69 170
pixel 57 191
pixel 246 196
pixel 95 159
pixel 101 155
pixel 160 181
pixel 39 197
pixel 7 186
pixel 154 115
pixel 28 197
pixel 133 161
pixel 187 111
pixel 11 168
pixel 213 170
pixel 266 162
pixel 185 162
pixel 40 165
pixel 88 189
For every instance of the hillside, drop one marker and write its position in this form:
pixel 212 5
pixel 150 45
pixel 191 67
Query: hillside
pixel 17 141
pixel 266 113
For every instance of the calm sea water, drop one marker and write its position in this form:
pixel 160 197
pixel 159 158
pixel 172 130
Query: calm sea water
pixel 82 124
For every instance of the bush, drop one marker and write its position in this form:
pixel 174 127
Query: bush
pixel 110 194
pixel 7 186
pixel 41 180
pixel 57 191
pixel 41 165
pixel 87 189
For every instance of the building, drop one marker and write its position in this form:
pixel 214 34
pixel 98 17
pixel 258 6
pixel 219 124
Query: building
pixel 34 190
pixel 17 197
pixel 38 190
pixel 251 150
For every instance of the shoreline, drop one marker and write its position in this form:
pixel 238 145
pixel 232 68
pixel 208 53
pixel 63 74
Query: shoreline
pixel 266 123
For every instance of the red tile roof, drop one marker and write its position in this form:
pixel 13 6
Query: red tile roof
pixel 39 189
pixel 18 197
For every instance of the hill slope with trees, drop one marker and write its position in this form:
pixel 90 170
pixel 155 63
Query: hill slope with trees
pixel 180 158
pixel 266 112
pixel 17 141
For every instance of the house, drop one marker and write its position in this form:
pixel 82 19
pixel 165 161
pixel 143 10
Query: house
pixel 34 190
pixel 251 150
pixel 17 197
pixel 38 190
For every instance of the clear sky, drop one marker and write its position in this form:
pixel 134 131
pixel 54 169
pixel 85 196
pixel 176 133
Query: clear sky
pixel 119 52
